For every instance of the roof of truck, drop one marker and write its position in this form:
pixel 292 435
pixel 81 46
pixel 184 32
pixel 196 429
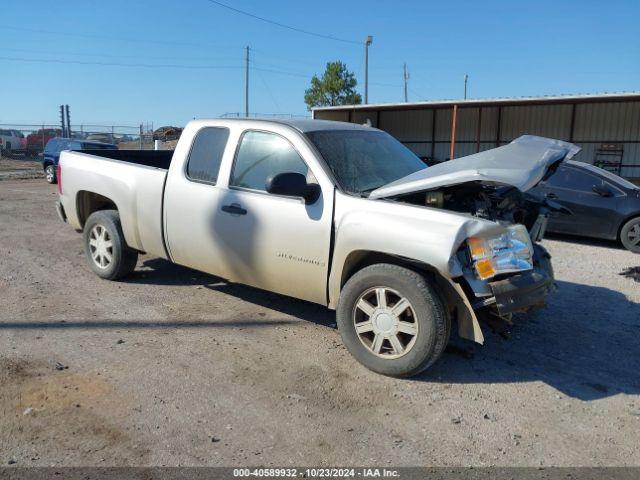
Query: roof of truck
pixel 306 124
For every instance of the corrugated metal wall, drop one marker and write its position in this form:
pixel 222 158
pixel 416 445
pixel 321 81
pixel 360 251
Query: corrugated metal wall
pixel 613 123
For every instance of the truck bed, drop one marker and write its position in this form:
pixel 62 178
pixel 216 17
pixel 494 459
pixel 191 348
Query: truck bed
pixel 148 158
pixel 132 179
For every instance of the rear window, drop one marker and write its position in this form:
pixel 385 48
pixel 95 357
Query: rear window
pixel 206 154
pixel 612 177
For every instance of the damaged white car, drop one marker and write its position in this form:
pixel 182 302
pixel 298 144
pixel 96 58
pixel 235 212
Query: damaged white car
pixel 333 213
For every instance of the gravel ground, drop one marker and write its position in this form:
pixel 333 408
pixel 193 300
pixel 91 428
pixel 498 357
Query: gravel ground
pixel 175 367
pixel 20 167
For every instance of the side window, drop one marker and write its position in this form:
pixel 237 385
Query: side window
pixel 74 146
pixel 206 154
pixel 574 179
pixel 262 155
pixel 582 181
pixel 51 146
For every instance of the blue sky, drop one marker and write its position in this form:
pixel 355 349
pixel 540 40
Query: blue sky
pixel 508 48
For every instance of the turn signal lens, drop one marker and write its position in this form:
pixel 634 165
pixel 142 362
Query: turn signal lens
pixel 485 269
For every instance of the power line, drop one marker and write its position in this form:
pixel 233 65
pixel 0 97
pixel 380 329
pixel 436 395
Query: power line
pixel 282 72
pixel 107 37
pixel 282 25
pixel 117 64
pixel 106 55
pixel 151 65
pixel 273 98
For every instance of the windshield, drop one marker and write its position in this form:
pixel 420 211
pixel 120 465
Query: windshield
pixel 364 160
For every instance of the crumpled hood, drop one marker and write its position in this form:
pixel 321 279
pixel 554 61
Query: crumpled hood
pixel 522 164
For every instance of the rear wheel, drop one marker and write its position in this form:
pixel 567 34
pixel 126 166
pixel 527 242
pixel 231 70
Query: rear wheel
pixel 392 320
pixel 630 235
pixel 50 173
pixel 105 247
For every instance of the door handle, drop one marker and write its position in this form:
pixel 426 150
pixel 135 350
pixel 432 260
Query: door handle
pixel 551 195
pixel 234 209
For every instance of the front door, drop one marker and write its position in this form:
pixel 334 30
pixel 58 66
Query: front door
pixel 271 241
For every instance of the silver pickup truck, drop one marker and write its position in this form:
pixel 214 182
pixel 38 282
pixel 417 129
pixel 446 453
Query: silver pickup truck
pixel 334 213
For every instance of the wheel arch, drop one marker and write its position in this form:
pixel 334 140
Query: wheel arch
pixel 452 294
pixel 89 202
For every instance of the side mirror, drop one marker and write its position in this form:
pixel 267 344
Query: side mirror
pixel 602 191
pixel 293 184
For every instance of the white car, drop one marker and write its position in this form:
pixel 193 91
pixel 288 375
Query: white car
pixel 12 141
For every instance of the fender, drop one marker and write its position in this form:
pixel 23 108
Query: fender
pixel 424 235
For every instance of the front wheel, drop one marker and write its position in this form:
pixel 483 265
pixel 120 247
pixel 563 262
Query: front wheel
pixel 50 174
pixel 105 247
pixel 392 320
pixel 630 235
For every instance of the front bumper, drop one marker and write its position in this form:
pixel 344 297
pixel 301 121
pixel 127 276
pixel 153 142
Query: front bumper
pixel 526 290
pixel 61 213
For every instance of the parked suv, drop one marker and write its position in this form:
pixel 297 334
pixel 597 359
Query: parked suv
pixel 12 141
pixel 57 145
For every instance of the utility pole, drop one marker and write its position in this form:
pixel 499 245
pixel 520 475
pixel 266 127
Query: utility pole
pixel 246 85
pixel 367 42
pixel 406 78
pixel 63 122
pixel 466 79
pixel 66 109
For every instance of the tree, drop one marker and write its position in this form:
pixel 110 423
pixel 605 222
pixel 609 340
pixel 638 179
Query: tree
pixel 336 87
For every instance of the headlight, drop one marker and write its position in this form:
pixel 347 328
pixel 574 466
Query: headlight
pixel 510 252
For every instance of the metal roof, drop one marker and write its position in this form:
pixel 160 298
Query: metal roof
pixel 475 102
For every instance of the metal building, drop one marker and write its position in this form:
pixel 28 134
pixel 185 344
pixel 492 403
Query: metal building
pixel 606 126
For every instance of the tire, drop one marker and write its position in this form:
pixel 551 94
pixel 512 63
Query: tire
pixel 99 246
pixel 630 235
pixel 422 328
pixel 50 173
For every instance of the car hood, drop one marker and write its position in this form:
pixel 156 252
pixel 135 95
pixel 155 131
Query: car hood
pixel 521 164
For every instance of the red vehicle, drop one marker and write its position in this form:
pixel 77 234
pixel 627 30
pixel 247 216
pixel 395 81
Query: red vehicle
pixel 37 140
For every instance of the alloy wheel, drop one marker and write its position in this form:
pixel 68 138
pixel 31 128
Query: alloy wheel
pixel 49 174
pixel 101 246
pixel 634 234
pixel 385 322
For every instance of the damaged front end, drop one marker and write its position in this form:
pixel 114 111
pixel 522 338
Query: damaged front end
pixel 508 271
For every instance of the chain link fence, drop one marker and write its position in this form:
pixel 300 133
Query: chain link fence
pixel 29 140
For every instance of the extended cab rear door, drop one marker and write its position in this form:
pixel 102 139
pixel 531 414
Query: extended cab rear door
pixel 233 228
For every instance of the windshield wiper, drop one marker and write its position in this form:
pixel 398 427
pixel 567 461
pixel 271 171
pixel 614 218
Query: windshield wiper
pixel 365 193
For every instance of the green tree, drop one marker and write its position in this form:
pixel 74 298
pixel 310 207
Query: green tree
pixel 336 87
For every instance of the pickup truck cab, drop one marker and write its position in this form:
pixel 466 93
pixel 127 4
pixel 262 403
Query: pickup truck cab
pixel 334 213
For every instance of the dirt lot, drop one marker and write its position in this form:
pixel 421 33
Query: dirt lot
pixel 174 367
pixel 19 167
